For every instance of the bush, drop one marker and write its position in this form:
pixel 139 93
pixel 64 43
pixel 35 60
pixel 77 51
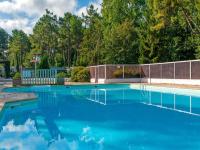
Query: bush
pixel 61 75
pixel 17 76
pixel 80 74
pixel 118 73
pixel 128 73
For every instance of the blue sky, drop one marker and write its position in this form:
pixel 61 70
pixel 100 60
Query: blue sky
pixel 23 14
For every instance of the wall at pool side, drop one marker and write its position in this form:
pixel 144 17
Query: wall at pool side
pixel 148 80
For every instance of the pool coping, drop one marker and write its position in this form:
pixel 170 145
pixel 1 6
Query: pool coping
pixel 172 89
pixel 8 97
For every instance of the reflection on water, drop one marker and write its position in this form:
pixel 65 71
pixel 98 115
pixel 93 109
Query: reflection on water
pixel 26 137
pixel 170 101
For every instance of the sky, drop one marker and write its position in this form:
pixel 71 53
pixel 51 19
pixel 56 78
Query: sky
pixel 23 14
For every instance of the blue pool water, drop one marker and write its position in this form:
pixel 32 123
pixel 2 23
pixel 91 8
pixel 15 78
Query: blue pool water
pixel 101 117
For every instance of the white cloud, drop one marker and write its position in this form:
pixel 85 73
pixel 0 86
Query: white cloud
pixel 83 10
pixel 19 23
pixel 37 7
pixel 23 14
pixel 31 9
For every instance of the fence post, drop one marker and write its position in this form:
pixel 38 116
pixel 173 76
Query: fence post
pixel 123 71
pixel 174 70
pixel 161 71
pixel 95 74
pixel 150 73
pixel 190 70
pixel 105 73
pixel 98 74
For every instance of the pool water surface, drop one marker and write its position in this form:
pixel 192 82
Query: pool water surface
pixel 101 117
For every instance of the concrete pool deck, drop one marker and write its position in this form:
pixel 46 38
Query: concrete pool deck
pixel 169 88
pixel 183 86
pixel 14 97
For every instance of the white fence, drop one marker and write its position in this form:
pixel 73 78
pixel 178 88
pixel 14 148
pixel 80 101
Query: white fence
pixel 39 77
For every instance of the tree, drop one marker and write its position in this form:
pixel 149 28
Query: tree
pixel 120 37
pixel 19 46
pixel 4 37
pixel 91 45
pixel 132 31
pixel 121 45
pixel 70 35
pixel 167 32
pixel 45 35
pixel 44 63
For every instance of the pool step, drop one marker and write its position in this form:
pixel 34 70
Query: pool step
pixel 42 127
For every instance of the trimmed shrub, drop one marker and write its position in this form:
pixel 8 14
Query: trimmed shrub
pixel 80 74
pixel 17 79
pixel 61 75
pixel 17 76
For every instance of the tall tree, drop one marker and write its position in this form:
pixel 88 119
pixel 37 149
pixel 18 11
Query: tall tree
pixel 90 49
pixel 19 46
pixel 120 37
pixel 4 37
pixel 167 32
pixel 45 35
pixel 70 35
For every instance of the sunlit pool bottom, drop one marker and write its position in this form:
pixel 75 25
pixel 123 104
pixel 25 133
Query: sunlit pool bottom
pixel 110 117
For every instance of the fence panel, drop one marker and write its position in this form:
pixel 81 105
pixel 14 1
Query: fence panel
pixel 168 71
pixel 92 72
pixel 101 72
pixel 195 70
pixel 145 71
pixel 132 71
pixel 182 70
pixel 114 71
pixel 155 71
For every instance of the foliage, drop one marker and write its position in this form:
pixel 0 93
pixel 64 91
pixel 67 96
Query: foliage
pixel 59 62
pixel 125 32
pixel 128 73
pixel 17 76
pixel 44 37
pixel 90 52
pixel 19 47
pixel 44 63
pixel 70 36
pixel 3 43
pixel 80 74
pixel 61 75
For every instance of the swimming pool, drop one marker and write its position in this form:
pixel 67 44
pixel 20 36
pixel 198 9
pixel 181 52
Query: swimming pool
pixel 95 117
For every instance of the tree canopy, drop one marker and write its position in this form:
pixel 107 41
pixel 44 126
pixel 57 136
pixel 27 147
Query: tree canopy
pixel 125 32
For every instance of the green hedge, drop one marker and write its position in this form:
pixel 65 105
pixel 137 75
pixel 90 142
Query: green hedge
pixel 61 75
pixel 80 74
pixel 17 76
